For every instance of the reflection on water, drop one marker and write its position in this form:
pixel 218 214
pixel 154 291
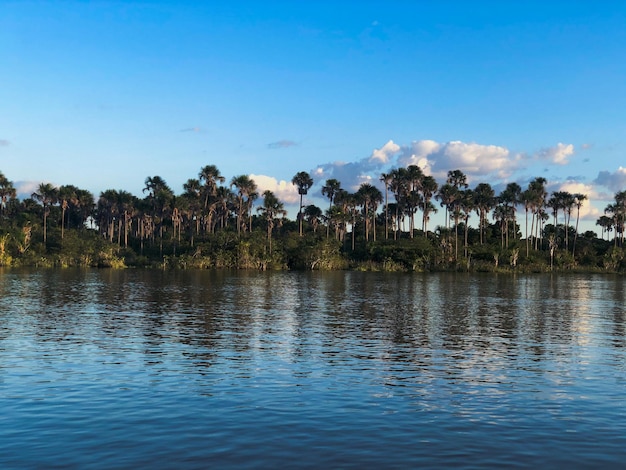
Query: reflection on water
pixel 186 369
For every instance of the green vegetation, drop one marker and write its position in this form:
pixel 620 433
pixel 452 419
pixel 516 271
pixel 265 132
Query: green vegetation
pixel 211 225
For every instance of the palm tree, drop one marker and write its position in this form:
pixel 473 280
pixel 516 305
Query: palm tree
pixel 386 179
pixel 351 209
pixel 224 205
pixel 65 195
pixel 501 214
pixel 578 201
pixel 303 181
pixel 330 190
pixel 209 178
pixel 534 199
pixel 414 199
pixel 193 191
pixel 568 203
pixel 85 205
pixel 400 188
pixel 369 197
pixel 466 206
pixel 7 191
pixel 457 179
pixel 429 189
pixel 246 191
pixel 271 209
pixel 606 223
pixel 47 195
pixel 126 206
pixel 160 198
pixel 313 216
pixel 484 201
pixel 511 197
pixel 447 194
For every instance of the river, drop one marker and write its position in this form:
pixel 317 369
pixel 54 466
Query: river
pixel 220 369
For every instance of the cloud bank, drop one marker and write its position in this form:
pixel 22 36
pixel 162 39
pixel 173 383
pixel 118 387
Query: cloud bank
pixel 477 161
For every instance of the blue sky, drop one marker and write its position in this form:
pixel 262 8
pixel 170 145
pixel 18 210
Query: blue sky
pixel 103 94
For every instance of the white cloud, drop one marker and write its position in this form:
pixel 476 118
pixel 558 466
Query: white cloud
pixel 434 158
pixel 385 153
pixel 284 190
pixel 615 181
pixel 471 158
pixel 587 210
pixel 4 143
pixel 558 155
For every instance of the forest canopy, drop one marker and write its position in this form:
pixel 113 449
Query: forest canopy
pixel 215 222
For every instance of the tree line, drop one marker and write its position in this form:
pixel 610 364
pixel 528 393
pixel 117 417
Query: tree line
pixel 215 223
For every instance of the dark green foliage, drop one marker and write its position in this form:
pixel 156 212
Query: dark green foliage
pixel 211 225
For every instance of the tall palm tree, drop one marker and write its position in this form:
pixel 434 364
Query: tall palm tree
pixel 502 213
pixel 414 199
pixel 66 194
pixel 209 178
pixel 400 188
pixel 107 212
pixel 330 190
pixel 606 223
pixel 224 205
pixel 271 209
pixel 458 180
pixel 313 216
pixel 568 203
pixel 369 197
pixel 47 195
pixel 579 199
pixel 466 206
pixel 193 191
pixel 85 206
pixel 484 201
pixel 126 206
pixel 447 194
pixel 352 210
pixel 386 179
pixel 160 198
pixel 534 199
pixel 510 198
pixel 246 190
pixel 429 189
pixel 303 181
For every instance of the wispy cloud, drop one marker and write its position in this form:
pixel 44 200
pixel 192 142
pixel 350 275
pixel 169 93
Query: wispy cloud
pixel 191 129
pixel 25 189
pixel 558 154
pixel 4 143
pixel 282 144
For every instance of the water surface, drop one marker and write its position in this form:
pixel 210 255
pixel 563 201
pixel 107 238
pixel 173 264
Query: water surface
pixel 153 369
